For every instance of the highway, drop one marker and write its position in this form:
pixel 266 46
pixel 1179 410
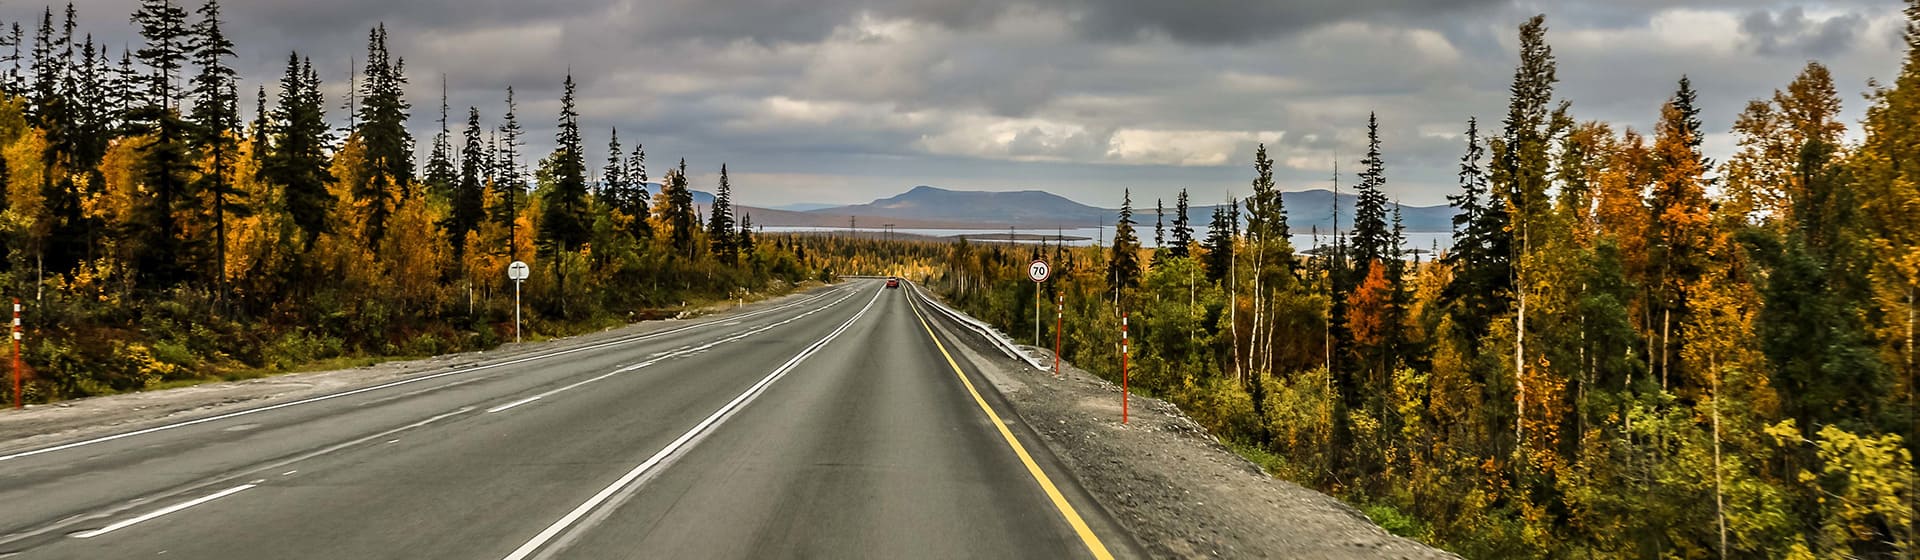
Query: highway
pixel 841 423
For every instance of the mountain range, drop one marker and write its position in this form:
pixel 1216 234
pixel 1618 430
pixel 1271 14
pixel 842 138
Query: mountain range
pixel 929 207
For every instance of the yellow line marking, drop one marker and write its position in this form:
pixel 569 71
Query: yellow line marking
pixel 1053 492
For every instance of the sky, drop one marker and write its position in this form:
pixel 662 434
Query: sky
pixel 844 101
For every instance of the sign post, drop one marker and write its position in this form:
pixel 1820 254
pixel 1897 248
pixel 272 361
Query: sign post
pixel 517 272
pixel 1123 368
pixel 1059 306
pixel 1038 272
pixel 16 353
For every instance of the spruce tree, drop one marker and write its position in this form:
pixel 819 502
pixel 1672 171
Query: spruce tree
pixel 565 224
pixel 297 160
pixel 382 127
pixel 720 228
pixel 507 178
pixel 1123 267
pixel 636 203
pixel 441 177
pixel 216 116
pixel 744 238
pixel 1182 229
pixel 613 177
pixel 677 213
pixel 1159 231
pixel 469 194
pixel 1370 234
pixel 1482 251
pixel 1221 234
pixel 162 254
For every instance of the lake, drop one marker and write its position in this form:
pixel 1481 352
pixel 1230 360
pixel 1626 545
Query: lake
pixel 1424 241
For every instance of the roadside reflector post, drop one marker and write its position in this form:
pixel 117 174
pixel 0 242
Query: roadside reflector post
pixel 1123 368
pixel 1059 304
pixel 517 272
pixel 17 403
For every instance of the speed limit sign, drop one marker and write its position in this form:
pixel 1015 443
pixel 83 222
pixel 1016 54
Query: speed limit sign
pixel 1038 271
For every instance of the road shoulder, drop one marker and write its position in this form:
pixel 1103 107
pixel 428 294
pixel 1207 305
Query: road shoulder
pixel 1170 483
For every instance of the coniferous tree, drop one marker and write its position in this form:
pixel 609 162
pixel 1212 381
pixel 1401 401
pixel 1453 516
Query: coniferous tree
pixel 382 127
pixel 1182 229
pixel 1520 177
pixel 1123 267
pixel 508 180
pixel 1370 231
pixel 744 238
pixel 677 213
pixel 564 222
pixel 469 194
pixel 613 177
pixel 15 82
pixel 1159 232
pixel 162 254
pixel 441 177
pixel 216 117
pixel 1222 233
pixel 636 205
pixel 720 227
pixel 1482 250
pixel 297 160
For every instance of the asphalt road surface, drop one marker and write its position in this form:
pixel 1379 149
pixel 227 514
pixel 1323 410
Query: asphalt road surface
pixel 843 424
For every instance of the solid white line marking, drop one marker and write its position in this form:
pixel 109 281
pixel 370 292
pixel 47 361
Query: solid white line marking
pixel 289 473
pixel 154 429
pixel 657 358
pixel 162 511
pixel 513 404
pixel 671 449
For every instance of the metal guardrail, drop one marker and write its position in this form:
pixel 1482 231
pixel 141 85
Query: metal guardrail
pixel 1000 340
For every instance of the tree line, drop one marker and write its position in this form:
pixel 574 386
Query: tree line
pixel 158 237
pixel 1629 351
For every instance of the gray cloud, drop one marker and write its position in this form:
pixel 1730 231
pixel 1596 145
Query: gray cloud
pixel 845 100
pixel 1791 32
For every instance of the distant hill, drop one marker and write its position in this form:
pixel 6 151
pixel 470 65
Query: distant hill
pixel 978 208
pixel 933 207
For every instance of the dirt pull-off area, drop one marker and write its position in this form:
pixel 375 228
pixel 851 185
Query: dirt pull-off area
pixel 1174 486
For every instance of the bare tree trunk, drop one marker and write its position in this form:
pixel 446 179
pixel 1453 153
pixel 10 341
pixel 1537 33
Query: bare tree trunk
pixel 1719 495
pixel 1666 331
pixel 1520 372
pixel 1233 304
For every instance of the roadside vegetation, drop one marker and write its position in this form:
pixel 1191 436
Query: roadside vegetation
pixel 1630 351
pixel 158 240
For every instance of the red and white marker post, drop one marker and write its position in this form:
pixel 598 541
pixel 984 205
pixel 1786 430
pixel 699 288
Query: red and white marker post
pixel 1123 368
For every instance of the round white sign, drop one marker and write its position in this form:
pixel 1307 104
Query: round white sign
pixel 1038 271
pixel 517 271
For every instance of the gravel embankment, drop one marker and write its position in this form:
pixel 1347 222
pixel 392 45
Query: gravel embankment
pixel 1162 476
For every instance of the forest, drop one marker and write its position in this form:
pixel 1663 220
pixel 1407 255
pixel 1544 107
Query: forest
pixel 157 239
pixel 1630 351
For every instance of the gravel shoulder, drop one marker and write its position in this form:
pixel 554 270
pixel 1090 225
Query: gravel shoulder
pixel 47 424
pixel 1173 485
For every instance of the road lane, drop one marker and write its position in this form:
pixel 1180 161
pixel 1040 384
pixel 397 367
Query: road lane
pixel 50 494
pixel 872 449
pixel 869 446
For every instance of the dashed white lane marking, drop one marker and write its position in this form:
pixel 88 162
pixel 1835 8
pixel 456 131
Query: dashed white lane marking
pixel 163 511
pixel 237 414
pixel 661 357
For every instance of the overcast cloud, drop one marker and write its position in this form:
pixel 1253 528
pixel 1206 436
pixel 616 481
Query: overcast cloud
pixel 847 100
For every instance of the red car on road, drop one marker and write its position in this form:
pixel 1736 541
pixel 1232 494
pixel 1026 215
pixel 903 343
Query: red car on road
pixel 893 282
